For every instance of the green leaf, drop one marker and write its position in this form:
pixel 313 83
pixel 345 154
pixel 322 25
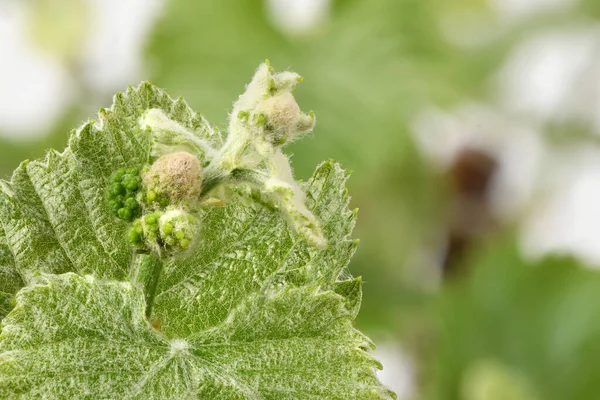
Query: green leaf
pixel 251 311
pixel 54 212
pixel 10 280
pixel 256 252
pixel 291 343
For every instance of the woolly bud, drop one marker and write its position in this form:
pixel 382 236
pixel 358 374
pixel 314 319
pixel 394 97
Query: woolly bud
pixel 176 176
pixel 283 120
pixel 268 111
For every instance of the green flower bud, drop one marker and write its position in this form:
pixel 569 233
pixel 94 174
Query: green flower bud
pixel 131 203
pixel 117 189
pixel 132 183
pixel 114 206
pixel 117 175
pixel 167 228
pixel 150 229
pixel 169 231
pixel 163 201
pixel 177 230
pixel 125 214
pixel 133 236
pixel 151 218
pixel 122 192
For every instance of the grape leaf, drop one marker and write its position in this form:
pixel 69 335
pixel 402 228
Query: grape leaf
pixel 257 252
pixel 10 280
pixel 253 311
pixel 54 213
pixel 295 343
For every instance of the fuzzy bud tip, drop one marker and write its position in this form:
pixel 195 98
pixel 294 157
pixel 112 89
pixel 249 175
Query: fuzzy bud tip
pixel 176 175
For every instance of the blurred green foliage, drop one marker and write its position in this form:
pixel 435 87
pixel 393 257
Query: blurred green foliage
pixel 367 71
pixel 14 151
pixel 539 320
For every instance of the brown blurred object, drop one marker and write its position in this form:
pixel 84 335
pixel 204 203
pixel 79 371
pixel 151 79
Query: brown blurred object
pixel 471 218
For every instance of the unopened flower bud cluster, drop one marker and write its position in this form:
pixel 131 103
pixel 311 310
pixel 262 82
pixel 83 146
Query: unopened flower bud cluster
pixel 160 199
pixel 157 199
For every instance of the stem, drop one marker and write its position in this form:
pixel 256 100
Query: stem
pixel 220 171
pixel 146 272
pixel 213 175
pixel 249 175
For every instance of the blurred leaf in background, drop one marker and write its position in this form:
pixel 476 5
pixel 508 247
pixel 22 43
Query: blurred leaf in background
pixel 532 326
pixel 15 151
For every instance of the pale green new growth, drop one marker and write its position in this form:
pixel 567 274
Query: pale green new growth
pixel 265 118
pixel 258 304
